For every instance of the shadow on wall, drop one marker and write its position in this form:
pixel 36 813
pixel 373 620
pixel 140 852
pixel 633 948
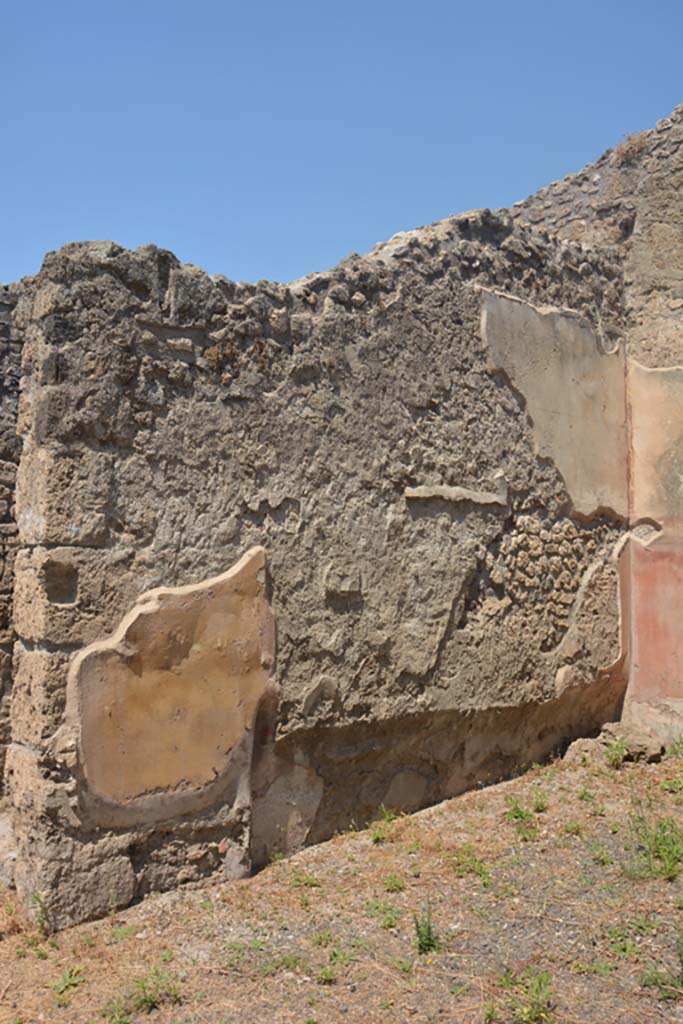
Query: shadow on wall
pixel 308 787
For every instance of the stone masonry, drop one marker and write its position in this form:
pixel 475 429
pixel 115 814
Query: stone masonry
pixel 286 553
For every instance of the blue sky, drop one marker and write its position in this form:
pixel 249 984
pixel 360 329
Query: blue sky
pixel 270 139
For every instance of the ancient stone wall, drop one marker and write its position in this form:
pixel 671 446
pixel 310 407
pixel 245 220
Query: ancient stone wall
pixel 10 360
pixel 631 199
pixel 443 582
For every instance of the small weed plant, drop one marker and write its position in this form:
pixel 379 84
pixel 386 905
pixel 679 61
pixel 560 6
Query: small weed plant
pixel 517 812
pixel 403 966
pixel 601 854
pixel 616 753
pixel 121 932
pixel 38 904
pixel 466 862
pixel 287 962
pixel 378 833
pixel 523 820
pixel 621 942
pixel 603 968
pixel 300 880
pixel 674 752
pixel 380 830
pixel 156 989
pixel 540 802
pixel 426 939
pixel 70 979
pixel 388 915
pixel 588 796
pixel 674 785
pixel 342 957
pixel 531 994
pixel 490 1013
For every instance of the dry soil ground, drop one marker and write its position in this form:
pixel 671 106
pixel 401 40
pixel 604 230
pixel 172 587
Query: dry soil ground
pixel 555 897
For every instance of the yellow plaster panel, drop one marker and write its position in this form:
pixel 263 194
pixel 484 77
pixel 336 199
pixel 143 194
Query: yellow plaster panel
pixel 574 393
pixel 656 397
pixel 164 702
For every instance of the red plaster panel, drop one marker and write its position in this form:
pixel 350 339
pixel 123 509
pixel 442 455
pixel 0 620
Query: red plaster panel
pixel 657 619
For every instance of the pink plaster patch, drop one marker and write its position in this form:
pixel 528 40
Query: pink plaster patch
pixel 656 618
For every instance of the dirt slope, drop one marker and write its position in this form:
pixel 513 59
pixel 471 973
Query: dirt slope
pixel 542 902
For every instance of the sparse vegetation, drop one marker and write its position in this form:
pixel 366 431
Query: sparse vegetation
pixel 70 979
pixel 301 880
pixel 318 928
pixel 120 932
pixel 155 989
pixel 152 991
pixel 657 846
pixel 38 904
pixel 386 913
pixel 603 968
pixel 286 962
pixel 540 802
pixel 523 820
pixel 531 993
pixel 674 785
pixel 380 830
pixel 600 854
pixel 403 966
pixel 667 981
pixel 597 809
pixel 516 812
pixel 674 752
pixel 616 753
pixel 341 956
pixel 466 862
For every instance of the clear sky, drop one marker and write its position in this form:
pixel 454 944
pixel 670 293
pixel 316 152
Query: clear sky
pixel 271 139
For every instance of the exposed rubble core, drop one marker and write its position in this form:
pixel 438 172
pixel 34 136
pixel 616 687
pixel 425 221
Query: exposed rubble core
pixel 420 464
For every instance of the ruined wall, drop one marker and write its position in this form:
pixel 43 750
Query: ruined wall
pixel 10 360
pixel 445 595
pixel 630 199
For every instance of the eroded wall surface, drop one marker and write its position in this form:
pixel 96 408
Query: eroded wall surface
pixel 631 200
pixel 10 360
pixel 443 581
